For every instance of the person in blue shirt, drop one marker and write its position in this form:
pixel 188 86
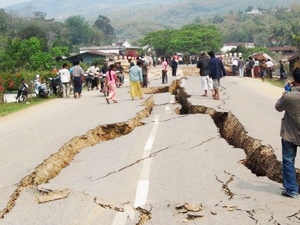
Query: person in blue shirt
pixel 136 79
pixel 288 86
pixel 216 72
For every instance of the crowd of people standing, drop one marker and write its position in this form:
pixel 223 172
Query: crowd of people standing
pixel 253 67
pixel 110 75
pixel 105 78
pixel 211 69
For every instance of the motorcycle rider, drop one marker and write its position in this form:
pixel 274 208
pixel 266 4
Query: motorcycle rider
pixel 120 71
pixel 65 78
pixel 103 75
pixel 94 71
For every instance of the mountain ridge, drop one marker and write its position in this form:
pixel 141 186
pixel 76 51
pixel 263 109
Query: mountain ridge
pixel 107 7
pixel 149 16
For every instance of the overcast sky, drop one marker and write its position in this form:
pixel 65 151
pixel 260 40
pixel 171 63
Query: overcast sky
pixel 4 3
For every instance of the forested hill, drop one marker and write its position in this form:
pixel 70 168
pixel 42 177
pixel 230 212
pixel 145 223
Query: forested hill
pixel 164 11
pixel 131 18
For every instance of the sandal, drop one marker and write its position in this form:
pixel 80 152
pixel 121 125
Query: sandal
pixel 107 100
pixel 115 101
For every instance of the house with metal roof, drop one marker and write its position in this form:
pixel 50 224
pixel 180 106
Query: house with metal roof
pixel 89 57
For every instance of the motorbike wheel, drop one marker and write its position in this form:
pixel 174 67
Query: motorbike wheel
pixel 22 99
pixel 50 91
pixel 44 94
pixel 89 85
pixel 59 91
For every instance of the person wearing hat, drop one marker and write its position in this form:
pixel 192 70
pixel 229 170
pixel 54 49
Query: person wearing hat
pixel 290 135
pixel 206 81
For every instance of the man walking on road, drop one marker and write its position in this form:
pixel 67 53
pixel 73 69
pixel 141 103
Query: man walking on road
pixel 65 78
pixel 290 133
pixel 77 74
pixel 216 72
pixel 206 81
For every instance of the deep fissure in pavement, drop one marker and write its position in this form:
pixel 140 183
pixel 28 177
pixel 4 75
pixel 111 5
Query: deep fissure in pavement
pixel 53 165
pixel 260 159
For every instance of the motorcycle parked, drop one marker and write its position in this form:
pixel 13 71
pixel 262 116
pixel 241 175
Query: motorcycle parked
pixel 40 89
pixel 22 93
pixel 56 86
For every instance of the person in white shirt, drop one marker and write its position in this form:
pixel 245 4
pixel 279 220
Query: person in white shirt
pixel 234 62
pixel 270 65
pixel 94 71
pixel 256 69
pixel 241 66
pixel 65 77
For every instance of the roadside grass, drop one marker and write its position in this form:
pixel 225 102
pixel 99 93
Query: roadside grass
pixel 277 82
pixel 8 108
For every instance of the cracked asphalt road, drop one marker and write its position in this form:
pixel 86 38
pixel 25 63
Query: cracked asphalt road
pixel 176 159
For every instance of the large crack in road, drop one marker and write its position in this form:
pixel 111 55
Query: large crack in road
pixel 260 159
pixel 53 165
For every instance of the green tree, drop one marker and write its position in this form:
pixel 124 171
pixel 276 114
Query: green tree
pixel 27 54
pixel 296 38
pixel 103 24
pixel 59 51
pixel 58 35
pixel 159 41
pixel 78 29
pixel 33 30
pixel 4 18
pixel 96 37
pixel 190 38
